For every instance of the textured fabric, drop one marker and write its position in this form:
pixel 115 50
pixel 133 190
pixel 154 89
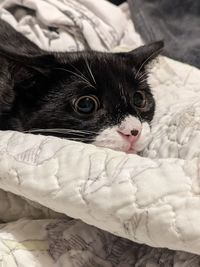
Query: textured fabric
pixel 71 243
pixel 66 24
pixel 176 22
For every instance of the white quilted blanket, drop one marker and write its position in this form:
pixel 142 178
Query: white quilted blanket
pixel 151 198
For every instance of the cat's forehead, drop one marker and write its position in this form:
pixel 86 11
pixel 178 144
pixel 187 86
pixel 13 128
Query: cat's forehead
pixel 104 74
pixel 94 59
pixel 103 61
pixel 101 67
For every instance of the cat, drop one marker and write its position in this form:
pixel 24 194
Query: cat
pixel 89 96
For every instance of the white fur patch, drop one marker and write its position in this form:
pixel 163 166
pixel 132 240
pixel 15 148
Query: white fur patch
pixel 130 123
pixel 110 137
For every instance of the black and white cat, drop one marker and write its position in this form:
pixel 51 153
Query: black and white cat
pixel 92 97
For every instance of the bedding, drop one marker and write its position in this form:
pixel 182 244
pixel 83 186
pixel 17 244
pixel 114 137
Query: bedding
pixel 66 24
pixel 124 210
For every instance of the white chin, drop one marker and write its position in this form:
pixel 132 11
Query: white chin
pixel 109 138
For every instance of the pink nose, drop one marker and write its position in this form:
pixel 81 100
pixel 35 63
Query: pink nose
pixel 131 137
pixel 130 129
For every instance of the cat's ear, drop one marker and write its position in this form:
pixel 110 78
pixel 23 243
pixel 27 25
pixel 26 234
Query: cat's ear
pixel 35 60
pixel 141 56
pixel 20 50
pixel 23 66
pixel 14 42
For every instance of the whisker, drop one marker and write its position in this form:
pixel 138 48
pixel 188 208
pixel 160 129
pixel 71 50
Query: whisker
pixel 143 63
pixel 78 71
pixel 140 76
pixel 79 139
pixel 142 81
pixel 77 75
pixel 82 136
pixel 60 130
pixel 89 69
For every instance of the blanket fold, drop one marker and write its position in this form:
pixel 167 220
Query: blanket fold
pixel 137 198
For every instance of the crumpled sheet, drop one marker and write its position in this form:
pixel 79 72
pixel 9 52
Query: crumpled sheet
pixel 153 199
pixel 66 24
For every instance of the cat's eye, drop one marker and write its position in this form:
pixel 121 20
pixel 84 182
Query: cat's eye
pixel 139 99
pixel 86 105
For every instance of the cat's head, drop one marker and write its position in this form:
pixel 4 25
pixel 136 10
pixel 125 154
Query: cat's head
pixel 92 97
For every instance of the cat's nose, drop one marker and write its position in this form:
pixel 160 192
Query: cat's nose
pixel 131 137
pixel 130 129
pixel 134 132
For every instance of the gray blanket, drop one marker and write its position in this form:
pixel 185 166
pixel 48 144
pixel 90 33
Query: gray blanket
pixel 177 22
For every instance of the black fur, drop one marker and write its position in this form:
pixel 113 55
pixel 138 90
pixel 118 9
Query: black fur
pixel 38 88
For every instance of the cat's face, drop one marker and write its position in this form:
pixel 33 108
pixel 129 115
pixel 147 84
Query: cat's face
pixel 92 97
pixel 100 97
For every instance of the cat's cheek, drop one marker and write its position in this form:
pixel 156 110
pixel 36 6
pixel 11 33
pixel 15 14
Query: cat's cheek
pixel 144 139
pixel 110 138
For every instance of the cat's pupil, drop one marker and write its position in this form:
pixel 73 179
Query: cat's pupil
pixel 139 100
pixel 86 105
